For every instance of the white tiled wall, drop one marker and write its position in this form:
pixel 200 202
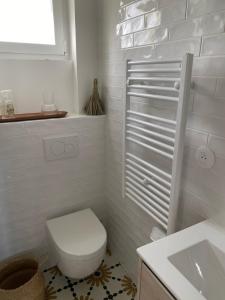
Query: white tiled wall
pixel 33 189
pixel 165 29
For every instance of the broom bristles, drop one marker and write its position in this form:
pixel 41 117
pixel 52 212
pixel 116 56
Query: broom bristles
pixel 94 105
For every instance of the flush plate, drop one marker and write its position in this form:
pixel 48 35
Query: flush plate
pixel 61 147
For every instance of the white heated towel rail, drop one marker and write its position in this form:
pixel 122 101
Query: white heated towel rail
pixel 155 190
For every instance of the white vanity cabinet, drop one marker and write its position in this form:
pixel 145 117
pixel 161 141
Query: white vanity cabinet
pixel 149 287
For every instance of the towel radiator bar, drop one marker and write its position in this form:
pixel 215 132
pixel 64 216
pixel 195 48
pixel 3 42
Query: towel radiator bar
pixel 153 189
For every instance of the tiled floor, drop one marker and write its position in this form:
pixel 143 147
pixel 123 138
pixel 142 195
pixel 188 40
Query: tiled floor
pixel 108 282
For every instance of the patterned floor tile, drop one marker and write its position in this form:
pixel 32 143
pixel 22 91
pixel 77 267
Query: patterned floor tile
pixel 108 282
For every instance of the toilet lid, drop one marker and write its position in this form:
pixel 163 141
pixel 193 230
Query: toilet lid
pixel 78 234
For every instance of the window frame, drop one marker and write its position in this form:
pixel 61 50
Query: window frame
pixel 59 49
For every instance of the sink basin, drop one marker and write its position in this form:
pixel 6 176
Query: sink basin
pixel 203 265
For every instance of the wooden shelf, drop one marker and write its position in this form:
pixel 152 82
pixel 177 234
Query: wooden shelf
pixel 33 116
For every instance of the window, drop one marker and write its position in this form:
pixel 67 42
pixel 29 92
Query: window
pixel 31 27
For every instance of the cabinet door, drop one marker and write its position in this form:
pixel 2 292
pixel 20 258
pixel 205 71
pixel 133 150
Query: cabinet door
pixel 150 287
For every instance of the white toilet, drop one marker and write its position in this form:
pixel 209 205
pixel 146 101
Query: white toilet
pixel 78 243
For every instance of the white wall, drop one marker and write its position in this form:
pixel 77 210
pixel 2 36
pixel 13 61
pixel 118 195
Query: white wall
pixel 30 78
pixel 33 189
pixel 86 48
pixel 177 27
pixel 71 80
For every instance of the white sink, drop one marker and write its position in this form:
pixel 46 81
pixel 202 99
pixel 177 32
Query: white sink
pixel 190 263
pixel 203 264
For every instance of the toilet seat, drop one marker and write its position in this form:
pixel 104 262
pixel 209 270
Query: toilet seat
pixel 78 236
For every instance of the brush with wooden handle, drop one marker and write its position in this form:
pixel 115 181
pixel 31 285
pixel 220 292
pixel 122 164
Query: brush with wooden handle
pixel 95 106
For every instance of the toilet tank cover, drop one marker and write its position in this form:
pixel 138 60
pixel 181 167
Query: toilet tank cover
pixel 79 234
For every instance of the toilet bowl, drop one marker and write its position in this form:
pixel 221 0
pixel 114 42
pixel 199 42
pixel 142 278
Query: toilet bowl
pixel 78 242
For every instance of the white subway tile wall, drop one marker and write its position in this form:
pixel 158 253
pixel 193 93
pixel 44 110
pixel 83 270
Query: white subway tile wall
pixel 127 41
pixel 150 36
pixel 213 45
pixel 153 19
pixel 171 28
pixel 204 25
pixel 201 7
pixel 133 25
pixel 138 8
pixel 33 189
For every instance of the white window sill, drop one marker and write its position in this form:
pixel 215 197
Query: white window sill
pixel 81 116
